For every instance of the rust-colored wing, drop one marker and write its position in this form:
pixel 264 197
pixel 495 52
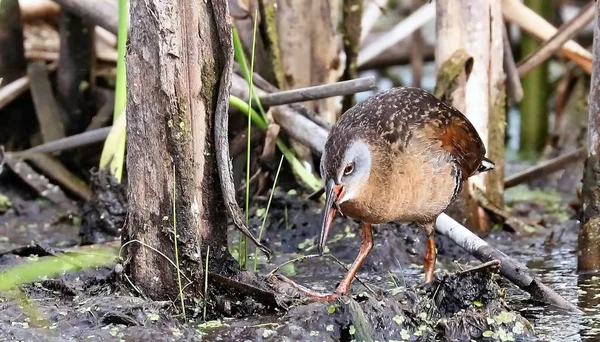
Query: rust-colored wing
pixel 458 137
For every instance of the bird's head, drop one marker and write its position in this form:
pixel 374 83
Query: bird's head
pixel 345 168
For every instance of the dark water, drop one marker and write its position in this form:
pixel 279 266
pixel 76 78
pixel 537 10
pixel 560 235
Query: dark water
pixel 556 267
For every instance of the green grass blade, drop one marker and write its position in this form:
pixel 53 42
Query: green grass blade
pixel 264 220
pixel 113 152
pixel 175 239
pixel 52 266
pixel 305 176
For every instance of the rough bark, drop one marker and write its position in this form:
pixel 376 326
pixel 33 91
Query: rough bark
pixel 471 77
pixel 175 61
pixel 589 233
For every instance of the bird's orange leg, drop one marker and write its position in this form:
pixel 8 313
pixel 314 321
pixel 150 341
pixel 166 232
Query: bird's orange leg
pixel 344 287
pixel 429 254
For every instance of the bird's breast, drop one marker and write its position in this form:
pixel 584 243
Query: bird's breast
pixel 416 187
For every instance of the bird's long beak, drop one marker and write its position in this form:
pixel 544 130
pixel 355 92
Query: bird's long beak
pixel 333 194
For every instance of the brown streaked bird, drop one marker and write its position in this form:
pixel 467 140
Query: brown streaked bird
pixel 401 155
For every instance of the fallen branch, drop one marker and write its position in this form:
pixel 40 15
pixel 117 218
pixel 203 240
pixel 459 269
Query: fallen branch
pixel 514 88
pixel 239 88
pixel 528 20
pixel 318 92
pixel 398 54
pixel 511 269
pixel 567 31
pixel 545 168
pixel 373 10
pixel 403 30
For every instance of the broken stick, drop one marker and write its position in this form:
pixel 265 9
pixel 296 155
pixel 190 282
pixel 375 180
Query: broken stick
pixel 318 92
pixel 511 269
pixel 567 31
pixel 545 168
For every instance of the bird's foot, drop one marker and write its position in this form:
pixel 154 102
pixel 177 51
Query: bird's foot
pixel 311 294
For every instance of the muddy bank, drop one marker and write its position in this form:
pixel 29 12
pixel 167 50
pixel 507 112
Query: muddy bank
pixel 99 304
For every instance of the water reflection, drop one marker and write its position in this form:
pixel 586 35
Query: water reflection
pixel 556 266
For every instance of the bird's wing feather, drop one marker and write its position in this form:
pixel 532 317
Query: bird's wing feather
pixel 460 140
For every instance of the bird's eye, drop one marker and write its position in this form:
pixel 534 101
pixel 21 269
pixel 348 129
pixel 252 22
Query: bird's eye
pixel 349 168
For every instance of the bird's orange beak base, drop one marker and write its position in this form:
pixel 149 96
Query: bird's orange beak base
pixel 333 194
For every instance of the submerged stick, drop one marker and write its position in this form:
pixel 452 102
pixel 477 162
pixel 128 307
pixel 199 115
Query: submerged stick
pixel 319 92
pixel 511 269
pixel 567 31
pixel 545 168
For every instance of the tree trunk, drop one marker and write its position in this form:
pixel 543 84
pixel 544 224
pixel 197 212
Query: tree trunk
pixel 175 61
pixel 471 77
pixel 589 233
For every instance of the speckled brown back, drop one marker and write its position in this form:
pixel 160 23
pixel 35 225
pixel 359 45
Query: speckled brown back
pixel 390 119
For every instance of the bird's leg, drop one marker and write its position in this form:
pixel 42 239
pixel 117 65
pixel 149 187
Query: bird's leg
pixel 429 252
pixel 344 287
pixel 365 249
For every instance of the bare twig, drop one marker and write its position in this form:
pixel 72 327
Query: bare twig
pixel 493 264
pixel 509 268
pixel 567 31
pixel 536 25
pixel 399 54
pixel 373 10
pixel 545 168
pixel 404 29
pixel 319 92
pixel 239 88
pixel 99 12
pixel 46 108
pixel 221 128
pixel 71 142
pixel 16 88
pixel 514 89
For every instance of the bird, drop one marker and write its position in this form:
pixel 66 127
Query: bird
pixel 401 155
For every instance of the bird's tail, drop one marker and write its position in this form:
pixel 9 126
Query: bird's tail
pixel 486 165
